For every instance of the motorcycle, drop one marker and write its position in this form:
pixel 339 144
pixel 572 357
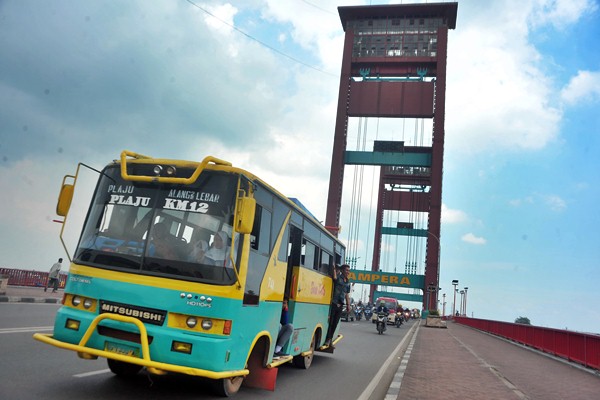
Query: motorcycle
pixel 399 319
pixel 359 312
pixel 368 313
pixel 381 322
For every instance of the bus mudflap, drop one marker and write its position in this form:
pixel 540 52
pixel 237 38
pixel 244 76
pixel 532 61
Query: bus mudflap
pixel 261 377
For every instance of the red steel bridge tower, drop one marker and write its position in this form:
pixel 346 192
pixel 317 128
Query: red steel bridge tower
pixel 394 66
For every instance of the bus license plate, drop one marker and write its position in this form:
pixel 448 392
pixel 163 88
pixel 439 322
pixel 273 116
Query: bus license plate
pixel 122 349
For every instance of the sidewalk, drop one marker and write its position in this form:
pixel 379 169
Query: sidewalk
pixel 29 294
pixel 463 363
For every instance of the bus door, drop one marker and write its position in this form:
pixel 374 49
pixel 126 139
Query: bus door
pixel 294 254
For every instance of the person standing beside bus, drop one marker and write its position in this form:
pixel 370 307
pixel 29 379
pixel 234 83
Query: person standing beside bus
pixel 285 330
pixel 341 294
pixel 54 276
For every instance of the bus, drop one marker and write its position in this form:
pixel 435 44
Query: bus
pixel 182 267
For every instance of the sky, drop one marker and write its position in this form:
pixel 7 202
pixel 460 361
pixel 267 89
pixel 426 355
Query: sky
pixel 256 83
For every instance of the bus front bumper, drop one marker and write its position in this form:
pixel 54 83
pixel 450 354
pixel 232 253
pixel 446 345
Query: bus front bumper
pixel 154 367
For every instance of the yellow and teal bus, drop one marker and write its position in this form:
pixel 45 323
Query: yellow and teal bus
pixel 182 267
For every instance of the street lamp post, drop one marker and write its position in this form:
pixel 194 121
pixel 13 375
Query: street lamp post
pixel 465 307
pixel 462 296
pixel 454 283
pixel 444 305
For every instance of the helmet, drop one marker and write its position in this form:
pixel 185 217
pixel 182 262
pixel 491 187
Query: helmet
pixel 382 303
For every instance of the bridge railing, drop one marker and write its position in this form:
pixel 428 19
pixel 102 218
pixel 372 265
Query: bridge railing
pixel 582 348
pixel 24 277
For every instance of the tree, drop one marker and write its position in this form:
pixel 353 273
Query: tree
pixel 523 320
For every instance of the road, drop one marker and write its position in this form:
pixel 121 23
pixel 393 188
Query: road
pixel 31 369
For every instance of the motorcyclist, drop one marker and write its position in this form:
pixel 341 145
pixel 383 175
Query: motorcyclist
pixel 382 309
pixel 360 305
pixel 359 310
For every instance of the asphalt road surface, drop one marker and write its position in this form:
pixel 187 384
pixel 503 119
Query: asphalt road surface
pixel 34 370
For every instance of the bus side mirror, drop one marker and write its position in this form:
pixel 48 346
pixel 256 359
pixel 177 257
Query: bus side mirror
pixel 245 214
pixel 64 199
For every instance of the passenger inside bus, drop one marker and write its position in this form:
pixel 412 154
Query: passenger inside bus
pixel 198 253
pixel 219 250
pixel 164 242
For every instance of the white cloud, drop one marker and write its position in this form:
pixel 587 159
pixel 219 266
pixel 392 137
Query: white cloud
pixel 561 13
pixel 499 98
pixel 450 216
pixel 31 237
pixel 471 238
pixel 555 203
pixel 494 119
pixel 585 86
pixel 552 201
pixel 221 18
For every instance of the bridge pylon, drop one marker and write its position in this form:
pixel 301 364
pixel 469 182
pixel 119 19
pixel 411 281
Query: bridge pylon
pixel 394 66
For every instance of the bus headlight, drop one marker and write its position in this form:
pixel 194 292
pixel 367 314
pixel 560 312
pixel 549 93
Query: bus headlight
pixel 87 303
pixel 191 322
pixel 76 301
pixel 207 324
pixel 80 302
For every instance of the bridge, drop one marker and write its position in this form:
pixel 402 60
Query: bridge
pixel 471 359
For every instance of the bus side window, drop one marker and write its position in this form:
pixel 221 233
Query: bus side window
pixel 255 235
pixel 325 262
pixel 261 231
pixel 310 254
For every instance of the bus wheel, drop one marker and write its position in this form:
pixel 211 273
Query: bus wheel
pixel 304 362
pixel 123 369
pixel 227 387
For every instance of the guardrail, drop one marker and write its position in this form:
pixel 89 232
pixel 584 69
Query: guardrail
pixel 24 277
pixel 582 348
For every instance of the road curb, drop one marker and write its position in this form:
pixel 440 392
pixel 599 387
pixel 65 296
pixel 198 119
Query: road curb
pixel 17 299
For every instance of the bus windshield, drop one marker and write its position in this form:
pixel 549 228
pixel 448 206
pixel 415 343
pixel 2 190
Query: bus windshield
pixel 170 230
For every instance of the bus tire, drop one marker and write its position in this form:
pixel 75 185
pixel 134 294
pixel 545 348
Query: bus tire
pixel 227 387
pixel 304 362
pixel 123 369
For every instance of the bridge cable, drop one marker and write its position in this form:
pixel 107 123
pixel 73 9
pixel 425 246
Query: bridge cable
pixel 356 197
pixel 352 207
pixel 371 202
